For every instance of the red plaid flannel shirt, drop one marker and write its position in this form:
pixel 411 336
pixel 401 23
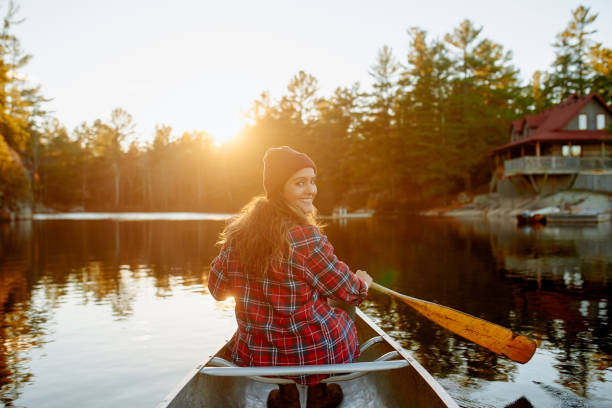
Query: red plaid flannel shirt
pixel 283 317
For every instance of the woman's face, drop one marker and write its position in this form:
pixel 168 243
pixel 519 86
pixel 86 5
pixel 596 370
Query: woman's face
pixel 300 189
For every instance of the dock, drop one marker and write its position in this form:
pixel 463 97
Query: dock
pixel 580 218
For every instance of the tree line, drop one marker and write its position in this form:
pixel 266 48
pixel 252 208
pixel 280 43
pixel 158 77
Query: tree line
pixel 418 137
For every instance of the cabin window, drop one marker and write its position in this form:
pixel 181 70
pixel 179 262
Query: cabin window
pixel 565 150
pixel 571 150
pixel 582 121
pixel 601 121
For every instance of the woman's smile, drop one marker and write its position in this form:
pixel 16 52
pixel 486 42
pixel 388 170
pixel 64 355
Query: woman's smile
pixel 300 190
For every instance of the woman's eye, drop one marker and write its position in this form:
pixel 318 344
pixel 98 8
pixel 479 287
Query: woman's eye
pixel 300 183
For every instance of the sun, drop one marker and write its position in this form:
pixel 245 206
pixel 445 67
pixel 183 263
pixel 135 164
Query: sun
pixel 225 137
pixel 224 127
pixel 220 140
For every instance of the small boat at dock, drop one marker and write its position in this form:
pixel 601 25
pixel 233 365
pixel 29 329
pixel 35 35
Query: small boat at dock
pixel 384 375
pixel 539 216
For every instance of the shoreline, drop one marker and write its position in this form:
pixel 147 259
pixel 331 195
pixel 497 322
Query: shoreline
pixel 481 206
pixel 145 215
pixel 494 206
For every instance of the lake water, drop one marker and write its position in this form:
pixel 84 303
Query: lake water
pixel 115 311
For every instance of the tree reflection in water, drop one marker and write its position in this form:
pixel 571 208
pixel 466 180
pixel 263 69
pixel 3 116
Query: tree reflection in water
pixel 100 262
pixel 22 319
pixel 550 284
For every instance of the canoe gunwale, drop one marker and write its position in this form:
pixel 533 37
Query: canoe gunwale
pixel 435 386
pixel 182 384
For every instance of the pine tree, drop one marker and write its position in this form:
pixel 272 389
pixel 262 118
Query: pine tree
pixel 298 104
pixel 484 91
pixel 60 165
pixel 422 115
pixel 85 137
pixel 381 150
pixel 571 71
pixel 158 177
pixel 331 133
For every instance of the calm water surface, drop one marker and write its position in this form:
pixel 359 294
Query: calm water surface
pixel 96 313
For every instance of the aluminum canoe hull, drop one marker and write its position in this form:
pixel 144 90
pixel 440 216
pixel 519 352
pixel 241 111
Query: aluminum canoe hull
pixel 411 386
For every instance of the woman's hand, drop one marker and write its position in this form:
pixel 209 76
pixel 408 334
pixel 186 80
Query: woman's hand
pixel 365 277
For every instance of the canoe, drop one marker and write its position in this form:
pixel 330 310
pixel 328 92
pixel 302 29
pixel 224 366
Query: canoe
pixel 385 375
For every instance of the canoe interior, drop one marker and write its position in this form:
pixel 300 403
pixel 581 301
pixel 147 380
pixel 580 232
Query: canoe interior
pixel 411 386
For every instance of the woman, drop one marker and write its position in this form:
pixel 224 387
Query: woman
pixel 281 270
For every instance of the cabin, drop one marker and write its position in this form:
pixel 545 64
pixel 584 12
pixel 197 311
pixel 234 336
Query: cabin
pixel 567 146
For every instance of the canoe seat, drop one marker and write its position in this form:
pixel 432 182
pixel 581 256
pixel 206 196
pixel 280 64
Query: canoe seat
pixel 220 367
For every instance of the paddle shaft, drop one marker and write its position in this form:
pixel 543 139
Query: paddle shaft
pixel 490 335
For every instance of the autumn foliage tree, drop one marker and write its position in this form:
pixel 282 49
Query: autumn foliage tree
pixel 19 110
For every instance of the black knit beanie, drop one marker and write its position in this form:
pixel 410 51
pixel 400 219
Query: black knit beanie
pixel 279 164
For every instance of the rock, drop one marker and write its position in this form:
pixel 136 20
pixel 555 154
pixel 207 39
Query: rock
pixel 492 205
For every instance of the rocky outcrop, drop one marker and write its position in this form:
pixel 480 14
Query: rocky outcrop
pixel 14 185
pixel 495 206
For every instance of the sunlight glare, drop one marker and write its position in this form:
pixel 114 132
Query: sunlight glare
pixel 228 304
pixel 220 139
pixel 224 129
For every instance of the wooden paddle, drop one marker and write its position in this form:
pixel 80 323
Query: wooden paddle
pixel 496 338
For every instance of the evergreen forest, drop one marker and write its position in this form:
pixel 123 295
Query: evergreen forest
pixel 419 137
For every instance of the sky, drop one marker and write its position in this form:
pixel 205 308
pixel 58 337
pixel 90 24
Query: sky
pixel 199 64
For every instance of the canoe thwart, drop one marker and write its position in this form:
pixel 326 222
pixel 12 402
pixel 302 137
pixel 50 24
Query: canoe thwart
pixel 221 362
pixel 357 374
pixel 345 376
pixel 304 370
pixel 332 379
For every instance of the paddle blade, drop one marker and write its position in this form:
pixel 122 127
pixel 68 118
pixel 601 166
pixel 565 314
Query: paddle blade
pixel 492 336
pixel 519 348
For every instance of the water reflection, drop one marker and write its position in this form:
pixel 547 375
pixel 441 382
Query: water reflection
pixel 570 303
pixel 549 283
pixel 46 264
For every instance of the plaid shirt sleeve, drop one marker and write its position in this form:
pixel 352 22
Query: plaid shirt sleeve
pixel 218 281
pixel 324 272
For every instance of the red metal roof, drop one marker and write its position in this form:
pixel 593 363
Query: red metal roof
pixel 548 124
pixel 562 135
pixel 533 121
pixel 517 125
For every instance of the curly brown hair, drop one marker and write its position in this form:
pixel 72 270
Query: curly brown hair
pixel 259 233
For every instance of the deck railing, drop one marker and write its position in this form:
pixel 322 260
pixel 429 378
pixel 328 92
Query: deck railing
pixel 556 165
